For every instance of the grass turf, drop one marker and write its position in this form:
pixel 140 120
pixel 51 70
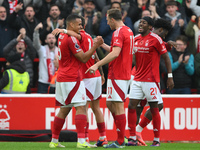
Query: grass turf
pixel 72 145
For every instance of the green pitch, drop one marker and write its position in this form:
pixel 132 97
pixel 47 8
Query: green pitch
pixel 72 146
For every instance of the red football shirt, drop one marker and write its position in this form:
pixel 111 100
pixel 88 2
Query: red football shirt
pixel 69 65
pixel 86 44
pixel 120 67
pixel 148 51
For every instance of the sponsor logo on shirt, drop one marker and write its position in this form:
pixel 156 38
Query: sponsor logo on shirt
pixel 78 50
pixel 116 41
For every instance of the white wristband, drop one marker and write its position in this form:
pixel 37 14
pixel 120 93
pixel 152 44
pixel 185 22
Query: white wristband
pixel 65 31
pixel 170 75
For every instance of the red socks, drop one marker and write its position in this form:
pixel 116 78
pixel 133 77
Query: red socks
pixel 120 126
pixel 57 127
pixel 81 123
pixel 156 122
pixel 144 122
pixel 101 128
pixel 86 130
pixel 132 119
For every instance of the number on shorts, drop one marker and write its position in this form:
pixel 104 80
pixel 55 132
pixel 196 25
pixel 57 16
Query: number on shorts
pixel 153 91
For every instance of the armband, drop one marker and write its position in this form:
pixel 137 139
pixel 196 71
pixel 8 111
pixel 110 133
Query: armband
pixel 170 75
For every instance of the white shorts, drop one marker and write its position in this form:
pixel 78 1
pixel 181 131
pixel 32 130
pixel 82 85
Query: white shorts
pixel 93 88
pixel 70 94
pixel 117 90
pixel 148 90
pixel 131 81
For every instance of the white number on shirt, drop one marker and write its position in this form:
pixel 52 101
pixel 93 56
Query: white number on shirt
pixel 131 44
pixel 59 52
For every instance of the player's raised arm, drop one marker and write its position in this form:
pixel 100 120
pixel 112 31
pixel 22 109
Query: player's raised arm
pixel 84 57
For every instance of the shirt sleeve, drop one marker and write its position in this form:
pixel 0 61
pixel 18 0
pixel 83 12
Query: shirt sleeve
pixel 160 46
pixel 74 45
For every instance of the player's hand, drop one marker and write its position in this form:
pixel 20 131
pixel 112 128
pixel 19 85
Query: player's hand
pixel 92 69
pixel 172 44
pixel 98 41
pixel 102 79
pixel 170 83
pixel 39 26
pixel 57 31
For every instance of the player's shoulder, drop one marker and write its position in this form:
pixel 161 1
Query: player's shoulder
pixel 122 30
pixel 156 37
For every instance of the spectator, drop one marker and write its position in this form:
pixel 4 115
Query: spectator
pixel 15 79
pixel 46 55
pixel 193 32
pixel 124 7
pixel 27 21
pixel 197 71
pixel 51 22
pixel 92 18
pixel 182 67
pixel 12 5
pixel 24 46
pixel 178 22
pixel 162 8
pixel 52 86
pixel 78 6
pixel 6 32
pixel 104 28
pixel 136 8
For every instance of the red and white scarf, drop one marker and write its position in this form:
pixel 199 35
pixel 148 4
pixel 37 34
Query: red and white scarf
pixel 12 5
pixel 50 65
pixel 198 44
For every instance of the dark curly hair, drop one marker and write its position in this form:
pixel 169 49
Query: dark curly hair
pixel 162 23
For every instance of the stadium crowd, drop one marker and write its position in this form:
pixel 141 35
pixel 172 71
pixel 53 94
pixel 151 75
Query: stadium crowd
pixel 30 49
pixel 23 16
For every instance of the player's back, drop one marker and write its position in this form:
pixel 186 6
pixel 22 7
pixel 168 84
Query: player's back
pixel 86 44
pixel 120 68
pixel 69 65
pixel 148 51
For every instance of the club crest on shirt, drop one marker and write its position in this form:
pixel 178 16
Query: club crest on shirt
pixel 77 46
pixel 93 56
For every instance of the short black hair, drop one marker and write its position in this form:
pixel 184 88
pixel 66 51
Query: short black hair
pixel 115 14
pixel 171 2
pixel 83 21
pixel 115 3
pixel 30 6
pixel 53 6
pixel 72 17
pixel 162 23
